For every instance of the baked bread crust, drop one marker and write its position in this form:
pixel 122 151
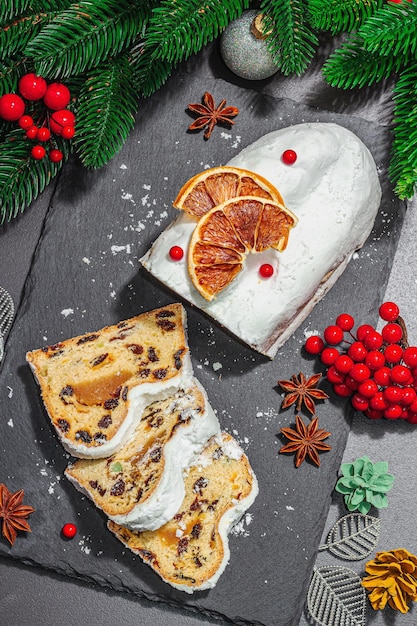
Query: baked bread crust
pixel 191 551
pixel 87 381
pixel 142 485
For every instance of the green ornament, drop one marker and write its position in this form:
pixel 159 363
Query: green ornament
pixel 244 50
pixel 364 484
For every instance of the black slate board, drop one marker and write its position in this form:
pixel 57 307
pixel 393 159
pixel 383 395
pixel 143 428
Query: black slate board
pixel 85 274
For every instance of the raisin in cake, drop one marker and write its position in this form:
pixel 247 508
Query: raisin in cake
pixel 191 551
pixel 141 485
pixel 334 191
pixel 96 385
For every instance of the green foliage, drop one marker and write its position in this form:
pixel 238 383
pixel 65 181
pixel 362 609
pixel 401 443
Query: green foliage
pixel 22 178
pixel 338 16
pixel 105 114
pixel 403 166
pixel 149 74
pixel 177 30
pixel 84 35
pixel 392 30
pixel 352 65
pixel 291 40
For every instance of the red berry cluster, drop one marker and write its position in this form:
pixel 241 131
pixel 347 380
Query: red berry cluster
pixel 378 370
pixel 57 119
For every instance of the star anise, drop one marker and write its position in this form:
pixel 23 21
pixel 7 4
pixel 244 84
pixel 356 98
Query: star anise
pixel 13 513
pixel 305 440
pixel 209 115
pixel 301 390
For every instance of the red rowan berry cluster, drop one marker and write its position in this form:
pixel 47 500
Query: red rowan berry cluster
pixel 55 119
pixel 378 370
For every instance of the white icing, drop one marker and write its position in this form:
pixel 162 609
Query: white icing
pixel 332 188
pixel 179 453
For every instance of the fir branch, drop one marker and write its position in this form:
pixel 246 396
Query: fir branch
pixel 11 10
pixel 22 178
pixel 339 16
pixel 352 65
pixel 177 30
pixel 149 74
pixel 10 72
pixel 403 165
pixel 86 34
pixel 392 30
pixel 291 41
pixel 15 35
pixel 105 114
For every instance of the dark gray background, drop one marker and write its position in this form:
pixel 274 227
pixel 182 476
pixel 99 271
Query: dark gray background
pixel 78 221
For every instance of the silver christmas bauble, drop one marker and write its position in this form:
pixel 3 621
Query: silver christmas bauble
pixel 244 52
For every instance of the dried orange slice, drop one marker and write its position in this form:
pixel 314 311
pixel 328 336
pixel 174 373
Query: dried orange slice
pixel 226 234
pixel 218 184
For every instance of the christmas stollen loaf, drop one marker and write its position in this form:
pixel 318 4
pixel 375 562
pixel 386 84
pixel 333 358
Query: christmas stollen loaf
pixel 191 551
pixel 95 386
pixel 332 188
pixel 141 485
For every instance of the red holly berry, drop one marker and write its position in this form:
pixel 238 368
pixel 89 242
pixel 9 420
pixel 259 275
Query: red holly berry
pixel 333 334
pixel 392 333
pixel 32 87
pixel 357 351
pixel 333 376
pixel 359 402
pixel 368 388
pixel 393 353
pixel 60 119
pixel 266 270
pixel 329 356
pixel 343 363
pixel 393 412
pixel 176 253
pixel 69 530
pixel 341 389
pixel 389 311
pixel 373 340
pixel 345 321
pixel 43 134
pixel 57 96
pixel 12 107
pixel 25 122
pixel 393 394
pixel 38 152
pixel 374 360
pixel 410 356
pixel 382 376
pixel 56 155
pixel 68 132
pixel 363 330
pixel 289 157
pixel 378 402
pixel 400 374
pixel 31 132
pixel 409 396
pixel 360 372
pixel 314 344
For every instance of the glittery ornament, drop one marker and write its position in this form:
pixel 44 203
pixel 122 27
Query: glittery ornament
pixel 244 50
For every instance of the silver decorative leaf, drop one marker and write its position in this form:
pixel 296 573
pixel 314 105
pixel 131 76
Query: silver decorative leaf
pixel 336 597
pixel 353 537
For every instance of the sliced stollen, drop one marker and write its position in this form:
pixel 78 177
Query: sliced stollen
pixel 95 386
pixel 191 551
pixel 142 484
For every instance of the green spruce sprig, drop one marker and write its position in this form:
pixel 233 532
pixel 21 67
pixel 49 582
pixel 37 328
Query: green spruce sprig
pixel 338 16
pixel 290 37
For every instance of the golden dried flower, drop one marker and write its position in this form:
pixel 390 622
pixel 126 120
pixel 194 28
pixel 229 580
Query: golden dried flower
pixel 392 580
